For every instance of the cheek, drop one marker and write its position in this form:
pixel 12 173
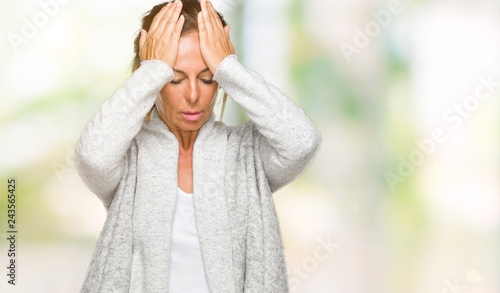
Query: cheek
pixel 169 95
pixel 209 92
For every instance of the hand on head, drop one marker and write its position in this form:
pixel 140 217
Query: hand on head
pixel 214 39
pixel 162 40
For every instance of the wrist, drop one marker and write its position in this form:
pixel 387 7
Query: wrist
pixel 222 65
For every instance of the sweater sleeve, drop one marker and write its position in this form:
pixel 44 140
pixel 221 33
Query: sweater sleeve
pixel 100 154
pixel 287 139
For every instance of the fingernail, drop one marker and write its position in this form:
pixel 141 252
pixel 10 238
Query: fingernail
pixel 179 3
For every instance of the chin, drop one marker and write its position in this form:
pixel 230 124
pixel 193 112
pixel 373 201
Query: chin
pixel 193 125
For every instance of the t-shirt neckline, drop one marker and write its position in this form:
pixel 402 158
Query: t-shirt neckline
pixel 183 192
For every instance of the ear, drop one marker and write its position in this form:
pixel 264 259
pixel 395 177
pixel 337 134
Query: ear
pixel 226 28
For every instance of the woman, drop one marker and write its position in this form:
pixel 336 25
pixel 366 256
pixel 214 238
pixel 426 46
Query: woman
pixel 189 201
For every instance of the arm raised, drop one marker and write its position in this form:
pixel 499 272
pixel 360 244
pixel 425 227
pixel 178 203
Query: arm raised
pixel 100 155
pixel 100 151
pixel 287 139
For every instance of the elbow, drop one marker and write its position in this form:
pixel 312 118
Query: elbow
pixel 94 168
pixel 79 159
pixel 84 163
pixel 316 141
pixel 310 144
pixel 305 137
pixel 101 184
pixel 312 147
pixel 99 179
pixel 91 160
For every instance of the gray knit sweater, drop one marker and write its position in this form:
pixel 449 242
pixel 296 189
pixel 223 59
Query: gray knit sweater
pixel 131 165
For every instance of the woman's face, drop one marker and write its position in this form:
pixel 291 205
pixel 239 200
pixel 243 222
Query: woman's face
pixel 192 89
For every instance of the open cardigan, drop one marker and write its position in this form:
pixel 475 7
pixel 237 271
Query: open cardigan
pixel 131 164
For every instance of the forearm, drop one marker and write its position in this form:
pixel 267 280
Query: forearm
pixel 285 125
pixel 287 140
pixel 100 152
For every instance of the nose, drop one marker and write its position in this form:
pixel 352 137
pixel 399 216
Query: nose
pixel 193 91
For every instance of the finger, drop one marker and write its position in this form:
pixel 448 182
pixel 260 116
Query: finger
pixel 158 17
pixel 210 17
pixel 201 24
pixel 178 29
pixel 226 28
pixel 215 17
pixel 170 18
pixel 206 18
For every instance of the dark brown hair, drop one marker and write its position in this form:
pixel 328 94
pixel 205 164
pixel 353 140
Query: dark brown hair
pixel 190 9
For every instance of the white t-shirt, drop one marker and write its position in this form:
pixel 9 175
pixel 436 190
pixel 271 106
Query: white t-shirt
pixel 187 272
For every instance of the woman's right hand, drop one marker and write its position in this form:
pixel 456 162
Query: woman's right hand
pixel 161 42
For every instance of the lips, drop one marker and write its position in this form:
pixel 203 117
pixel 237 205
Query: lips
pixel 192 115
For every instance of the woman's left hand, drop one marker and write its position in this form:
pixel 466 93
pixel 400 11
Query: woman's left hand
pixel 214 39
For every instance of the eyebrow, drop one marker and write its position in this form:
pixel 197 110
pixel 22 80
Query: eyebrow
pixel 180 71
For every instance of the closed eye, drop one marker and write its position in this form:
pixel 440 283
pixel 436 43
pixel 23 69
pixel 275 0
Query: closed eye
pixel 203 80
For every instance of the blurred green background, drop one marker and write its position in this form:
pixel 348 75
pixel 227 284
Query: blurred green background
pixel 404 195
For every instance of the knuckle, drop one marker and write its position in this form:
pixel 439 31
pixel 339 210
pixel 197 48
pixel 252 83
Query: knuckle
pixel 155 36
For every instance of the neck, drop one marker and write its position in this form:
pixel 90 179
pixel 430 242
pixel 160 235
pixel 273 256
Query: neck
pixel 186 139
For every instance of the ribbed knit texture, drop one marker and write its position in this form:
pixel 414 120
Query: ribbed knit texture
pixel 131 165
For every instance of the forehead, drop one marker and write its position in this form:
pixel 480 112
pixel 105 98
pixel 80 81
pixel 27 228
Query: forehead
pixel 189 57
